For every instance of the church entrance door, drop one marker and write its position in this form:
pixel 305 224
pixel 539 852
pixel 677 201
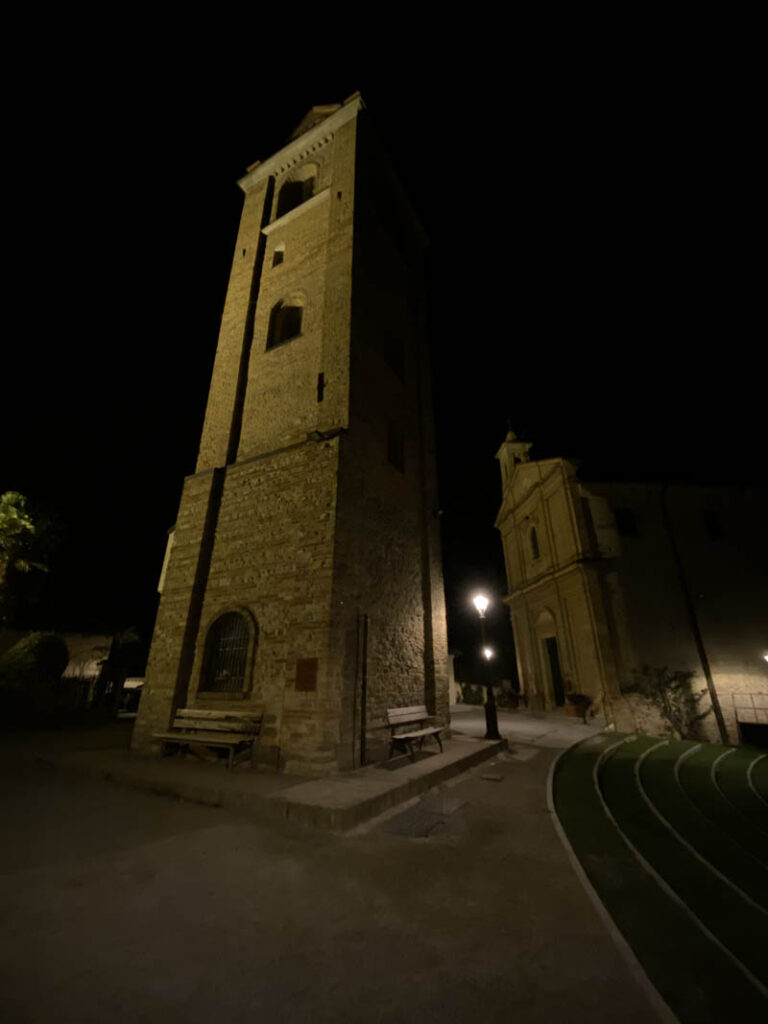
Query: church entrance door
pixel 550 643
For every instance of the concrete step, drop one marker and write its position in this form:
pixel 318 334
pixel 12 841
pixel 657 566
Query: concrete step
pixel 344 801
pixel 336 802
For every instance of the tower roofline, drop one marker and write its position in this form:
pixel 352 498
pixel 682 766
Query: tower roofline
pixel 304 145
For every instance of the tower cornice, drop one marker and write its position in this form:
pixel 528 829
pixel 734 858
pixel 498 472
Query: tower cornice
pixel 304 146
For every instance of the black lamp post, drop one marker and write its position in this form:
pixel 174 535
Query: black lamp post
pixel 481 602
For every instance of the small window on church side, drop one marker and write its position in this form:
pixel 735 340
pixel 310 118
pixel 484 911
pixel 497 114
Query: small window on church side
pixel 285 322
pixel 279 255
pixel 535 553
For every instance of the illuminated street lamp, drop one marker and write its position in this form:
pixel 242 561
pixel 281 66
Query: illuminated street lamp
pixel 481 602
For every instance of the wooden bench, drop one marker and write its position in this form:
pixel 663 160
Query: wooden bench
pixel 200 731
pixel 398 717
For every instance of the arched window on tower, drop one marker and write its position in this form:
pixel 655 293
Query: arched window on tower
pixel 285 321
pixel 534 543
pixel 226 654
pixel 300 187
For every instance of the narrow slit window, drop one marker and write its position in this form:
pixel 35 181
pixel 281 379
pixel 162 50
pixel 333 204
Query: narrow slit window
pixel 535 553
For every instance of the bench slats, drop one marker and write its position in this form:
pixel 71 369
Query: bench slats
pixel 197 728
pixel 402 716
pixel 398 717
pixel 421 732
pixel 219 738
pixel 209 724
pixel 239 716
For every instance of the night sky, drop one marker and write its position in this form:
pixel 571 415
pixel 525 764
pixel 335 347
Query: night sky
pixel 591 282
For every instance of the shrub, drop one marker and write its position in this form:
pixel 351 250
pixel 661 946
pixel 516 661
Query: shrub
pixel 30 670
pixel 670 693
pixel 471 694
pixel 508 698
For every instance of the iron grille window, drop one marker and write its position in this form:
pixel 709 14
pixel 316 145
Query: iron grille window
pixel 226 654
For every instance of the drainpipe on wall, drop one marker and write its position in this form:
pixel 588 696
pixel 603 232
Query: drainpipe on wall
pixel 698 639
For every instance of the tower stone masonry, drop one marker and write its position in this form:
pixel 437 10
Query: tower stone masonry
pixel 303 575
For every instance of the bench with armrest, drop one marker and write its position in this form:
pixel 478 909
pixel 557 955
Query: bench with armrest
pixel 411 720
pixel 200 730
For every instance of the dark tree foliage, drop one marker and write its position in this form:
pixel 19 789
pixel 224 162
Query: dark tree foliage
pixel 29 538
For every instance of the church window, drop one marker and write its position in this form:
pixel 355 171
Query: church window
pixel 535 553
pixel 226 654
pixel 278 255
pixel 285 322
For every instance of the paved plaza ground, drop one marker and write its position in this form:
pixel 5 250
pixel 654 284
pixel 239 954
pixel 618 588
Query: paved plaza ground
pixel 122 905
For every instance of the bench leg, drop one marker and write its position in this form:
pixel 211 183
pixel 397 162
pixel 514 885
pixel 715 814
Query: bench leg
pixel 201 752
pixel 439 741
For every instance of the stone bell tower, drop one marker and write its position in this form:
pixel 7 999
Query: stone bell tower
pixel 303 575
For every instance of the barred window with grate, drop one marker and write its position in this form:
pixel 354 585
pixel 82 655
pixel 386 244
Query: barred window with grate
pixel 226 654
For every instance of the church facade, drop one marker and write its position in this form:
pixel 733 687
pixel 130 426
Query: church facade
pixel 606 578
pixel 304 573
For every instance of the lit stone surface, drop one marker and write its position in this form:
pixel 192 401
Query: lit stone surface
pixel 602 584
pixel 296 517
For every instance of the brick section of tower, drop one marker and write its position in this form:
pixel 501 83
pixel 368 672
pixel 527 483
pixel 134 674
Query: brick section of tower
pixel 316 536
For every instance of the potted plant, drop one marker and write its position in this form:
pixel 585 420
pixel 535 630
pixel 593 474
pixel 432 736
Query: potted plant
pixel 577 705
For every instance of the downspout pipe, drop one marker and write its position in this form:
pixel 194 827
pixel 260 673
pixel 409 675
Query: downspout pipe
pixel 693 618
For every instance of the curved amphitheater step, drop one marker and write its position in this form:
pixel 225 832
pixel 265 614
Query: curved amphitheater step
pixel 659 776
pixel 740 925
pixel 731 775
pixel 695 773
pixel 699 941
pixel 760 777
